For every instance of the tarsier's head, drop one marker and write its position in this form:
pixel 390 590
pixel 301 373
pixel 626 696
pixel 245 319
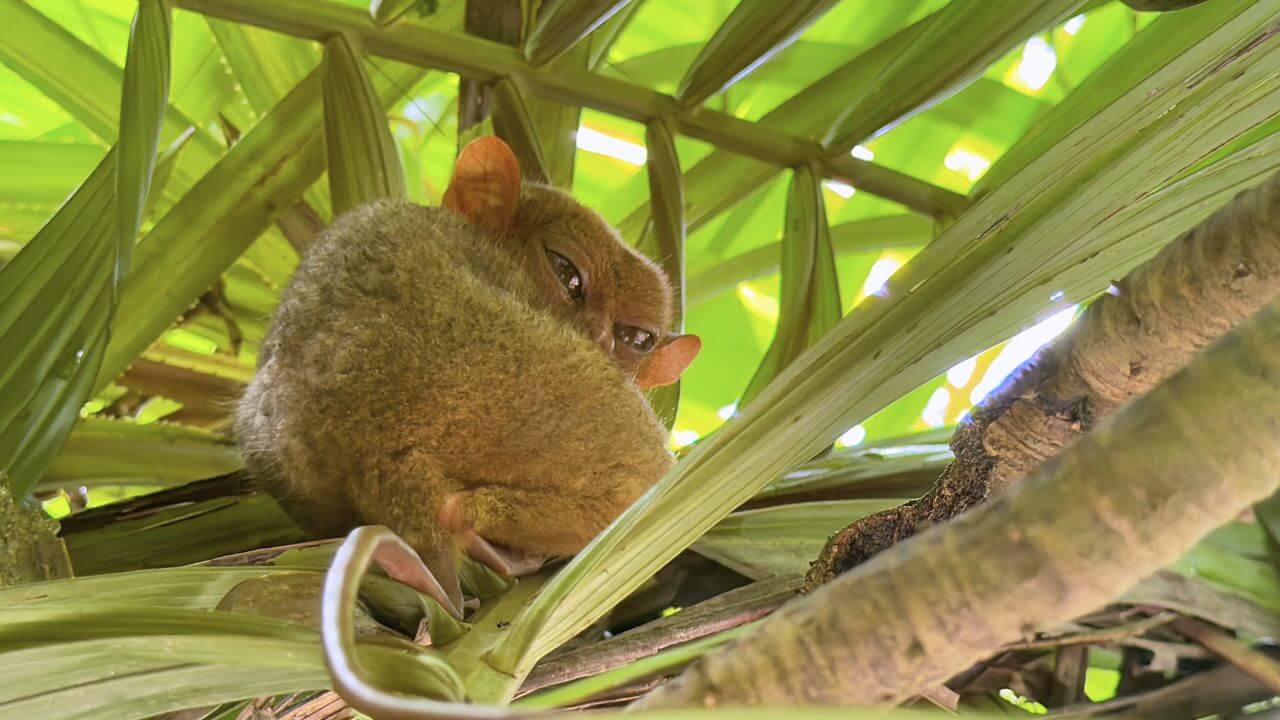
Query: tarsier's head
pixel 614 295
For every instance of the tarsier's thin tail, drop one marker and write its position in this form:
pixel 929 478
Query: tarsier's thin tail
pixel 362 547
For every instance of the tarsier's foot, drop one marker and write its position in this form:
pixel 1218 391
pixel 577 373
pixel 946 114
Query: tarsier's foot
pixel 452 517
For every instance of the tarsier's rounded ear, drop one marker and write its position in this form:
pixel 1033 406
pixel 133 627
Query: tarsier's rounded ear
pixel 665 364
pixel 486 183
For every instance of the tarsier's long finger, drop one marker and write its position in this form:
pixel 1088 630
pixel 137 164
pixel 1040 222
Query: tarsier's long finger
pixel 500 559
pixel 404 565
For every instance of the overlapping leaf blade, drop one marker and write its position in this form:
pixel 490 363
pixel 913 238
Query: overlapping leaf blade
pixel 721 179
pixel 235 201
pixel 810 302
pixel 101 449
pixel 362 159
pixel 84 82
pixel 666 196
pixel 58 296
pixel 961 41
pixel 782 540
pixel 607 33
pixel 512 123
pixel 755 31
pixel 267 65
pixel 111 660
pixel 562 23
pixel 144 99
pixel 40 172
pixel 385 12
pixel 859 236
pixel 1146 54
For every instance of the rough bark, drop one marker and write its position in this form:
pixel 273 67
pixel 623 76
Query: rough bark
pixel 1127 342
pixel 1131 496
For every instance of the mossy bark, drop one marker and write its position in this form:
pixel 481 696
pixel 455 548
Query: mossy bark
pixel 1128 341
pixel 30 550
pixel 1131 496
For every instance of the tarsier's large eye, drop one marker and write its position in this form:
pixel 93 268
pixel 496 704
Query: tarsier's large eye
pixel 637 339
pixel 569 276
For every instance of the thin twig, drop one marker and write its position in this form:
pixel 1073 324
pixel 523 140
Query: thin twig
pixel 734 608
pixel 1262 668
pixel 1103 636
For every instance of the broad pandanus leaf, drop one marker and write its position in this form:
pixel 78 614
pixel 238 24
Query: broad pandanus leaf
pixel 859 236
pixel 58 296
pixel 108 660
pixel 362 159
pixel 666 195
pixel 1150 50
pixel 754 32
pixel 961 41
pixel 235 201
pixel 105 449
pixel 385 12
pixel 721 179
pixel 810 298
pixel 55 300
pixel 144 98
pixel 562 23
pixel 85 83
pixel 512 123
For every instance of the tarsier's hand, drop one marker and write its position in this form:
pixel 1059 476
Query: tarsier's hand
pixel 453 518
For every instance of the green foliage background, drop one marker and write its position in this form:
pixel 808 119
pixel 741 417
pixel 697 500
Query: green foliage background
pixel 1042 191
pixel 48 150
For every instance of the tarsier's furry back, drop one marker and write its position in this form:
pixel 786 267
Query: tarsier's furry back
pixel 420 374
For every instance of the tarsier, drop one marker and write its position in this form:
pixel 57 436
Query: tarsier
pixel 470 376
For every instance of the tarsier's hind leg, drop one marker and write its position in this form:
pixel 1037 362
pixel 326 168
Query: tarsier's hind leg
pixel 435 548
pixel 404 500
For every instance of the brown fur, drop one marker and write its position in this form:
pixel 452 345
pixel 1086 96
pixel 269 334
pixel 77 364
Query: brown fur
pixel 416 356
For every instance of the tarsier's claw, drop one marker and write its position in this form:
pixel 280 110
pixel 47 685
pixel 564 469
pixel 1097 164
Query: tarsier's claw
pixel 405 566
pixel 499 559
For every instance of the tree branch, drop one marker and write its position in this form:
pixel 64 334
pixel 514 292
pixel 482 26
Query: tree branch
pixel 1154 321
